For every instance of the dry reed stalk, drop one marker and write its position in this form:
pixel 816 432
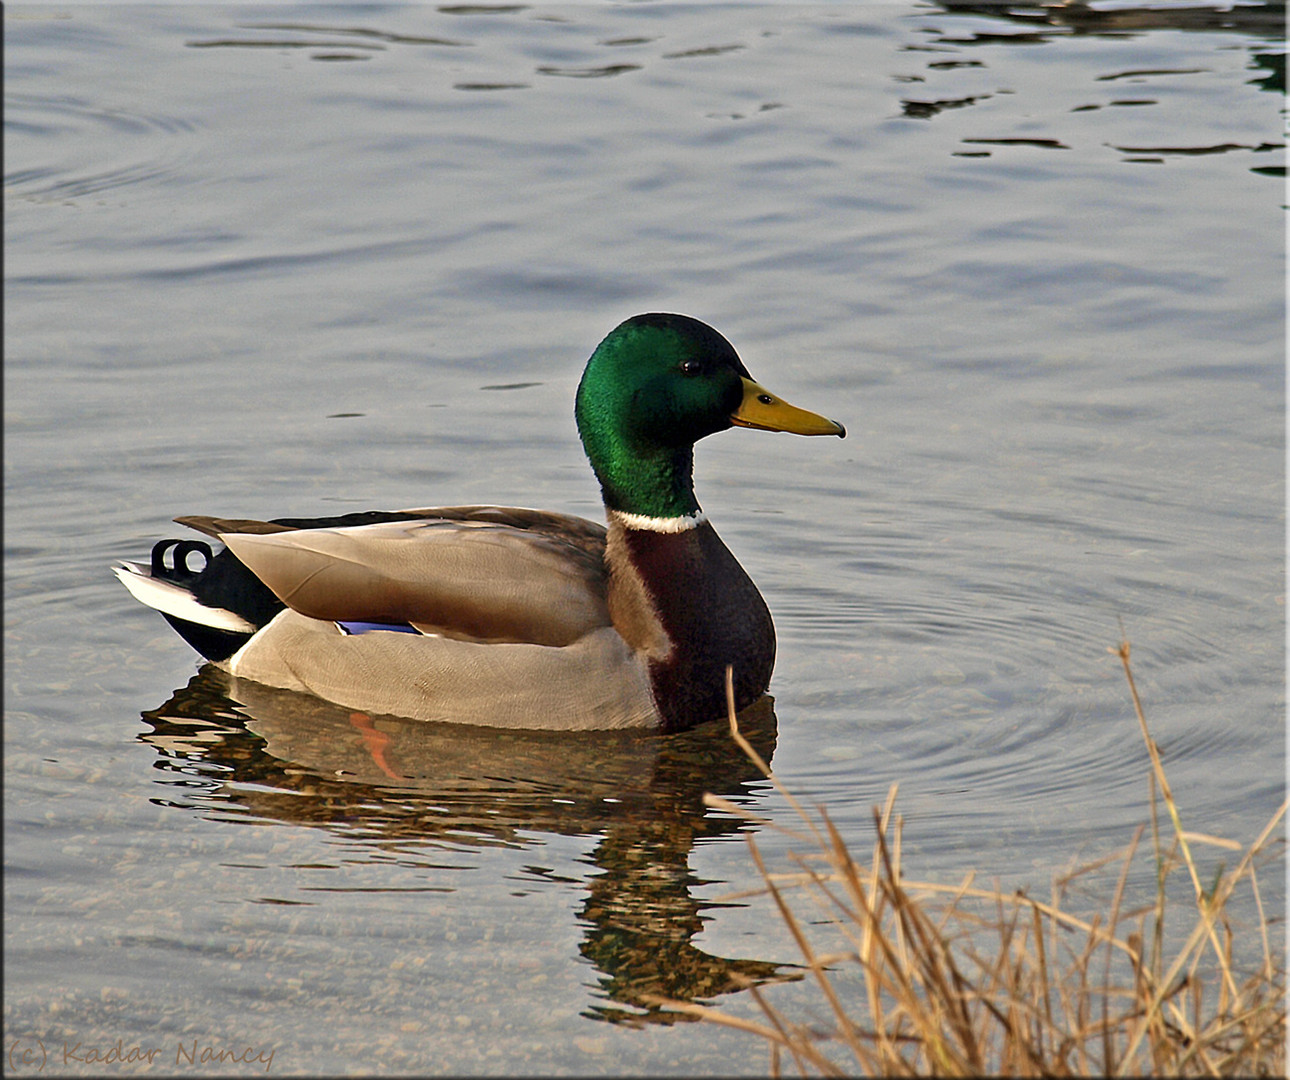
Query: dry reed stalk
pixel 964 981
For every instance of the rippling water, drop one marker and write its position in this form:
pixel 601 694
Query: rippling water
pixel 268 261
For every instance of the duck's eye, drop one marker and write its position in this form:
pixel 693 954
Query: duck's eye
pixel 690 367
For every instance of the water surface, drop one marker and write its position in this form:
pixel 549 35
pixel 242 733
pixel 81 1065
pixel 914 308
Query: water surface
pixel 270 261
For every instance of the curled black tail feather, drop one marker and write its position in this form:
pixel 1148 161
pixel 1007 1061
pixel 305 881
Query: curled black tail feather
pixel 178 571
pixel 223 582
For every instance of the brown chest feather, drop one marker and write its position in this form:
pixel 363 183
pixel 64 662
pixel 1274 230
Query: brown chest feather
pixel 684 601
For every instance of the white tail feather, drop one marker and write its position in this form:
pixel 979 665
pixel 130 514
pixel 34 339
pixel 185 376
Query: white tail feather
pixel 175 600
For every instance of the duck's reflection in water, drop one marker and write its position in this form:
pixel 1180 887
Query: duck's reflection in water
pixel 245 751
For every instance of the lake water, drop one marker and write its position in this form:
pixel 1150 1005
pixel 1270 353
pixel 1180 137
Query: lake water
pixel 294 260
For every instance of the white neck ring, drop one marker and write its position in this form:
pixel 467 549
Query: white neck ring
pixel 658 524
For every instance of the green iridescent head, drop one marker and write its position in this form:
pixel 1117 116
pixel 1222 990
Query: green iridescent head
pixel 655 386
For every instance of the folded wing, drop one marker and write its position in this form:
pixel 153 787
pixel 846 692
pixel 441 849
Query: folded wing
pixel 482 578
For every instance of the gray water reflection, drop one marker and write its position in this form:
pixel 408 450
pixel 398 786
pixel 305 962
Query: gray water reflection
pixel 238 751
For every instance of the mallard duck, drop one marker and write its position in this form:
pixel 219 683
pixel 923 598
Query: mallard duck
pixel 508 617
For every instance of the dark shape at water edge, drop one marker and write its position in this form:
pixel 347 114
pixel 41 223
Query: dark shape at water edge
pixel 1275 66
pixel 1266 20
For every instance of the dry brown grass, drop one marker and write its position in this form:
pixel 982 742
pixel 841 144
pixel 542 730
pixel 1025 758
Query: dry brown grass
pixel 927 979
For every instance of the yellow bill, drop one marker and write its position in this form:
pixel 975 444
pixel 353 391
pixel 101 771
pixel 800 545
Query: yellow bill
pixel 762 409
